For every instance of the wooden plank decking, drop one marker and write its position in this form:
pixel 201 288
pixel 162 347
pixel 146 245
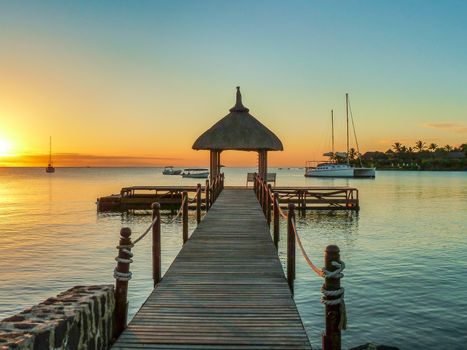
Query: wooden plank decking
pixel 225 290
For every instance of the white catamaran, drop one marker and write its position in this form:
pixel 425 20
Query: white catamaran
pixel 334 168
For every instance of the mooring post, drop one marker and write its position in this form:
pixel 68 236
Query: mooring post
pixel 207 195
pixel 269 206
pixel 198 204
pixel 122 275
pixel 291 247
pixel 156 243
pixel 276 220
pixel 332 336
pixel 185 216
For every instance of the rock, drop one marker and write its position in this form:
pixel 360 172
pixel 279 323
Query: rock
pixel 75 319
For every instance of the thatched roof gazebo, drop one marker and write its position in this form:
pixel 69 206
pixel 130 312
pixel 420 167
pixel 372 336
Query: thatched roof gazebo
pixel 240 131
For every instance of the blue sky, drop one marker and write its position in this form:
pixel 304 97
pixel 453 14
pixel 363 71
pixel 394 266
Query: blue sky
pixel 176 63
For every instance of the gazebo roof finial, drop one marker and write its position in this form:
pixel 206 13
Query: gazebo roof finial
pixel 239 107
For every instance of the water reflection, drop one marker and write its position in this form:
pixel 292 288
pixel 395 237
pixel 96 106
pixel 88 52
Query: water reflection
pixel 404 250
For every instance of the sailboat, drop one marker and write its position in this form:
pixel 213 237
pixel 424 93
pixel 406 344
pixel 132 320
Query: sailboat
pixel 333 168
pixel 50 168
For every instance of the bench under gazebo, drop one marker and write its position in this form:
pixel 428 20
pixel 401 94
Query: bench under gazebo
pixel 238 131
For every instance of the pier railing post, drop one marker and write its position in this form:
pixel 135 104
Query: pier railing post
pixel 276 220
pixel 207 195
pixel 257 186
pixel 269 204
pixel 156 243
pixel 332 336
pixel 185 216
pixel 261 186
pixel 123 275
pixel 265 198
pixel 291 247
pixel 198 204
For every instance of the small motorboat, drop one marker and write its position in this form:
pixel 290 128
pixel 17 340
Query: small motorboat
pixel 196 173
pixel 169 170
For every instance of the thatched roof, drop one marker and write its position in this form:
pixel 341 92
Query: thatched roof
pixel 238 130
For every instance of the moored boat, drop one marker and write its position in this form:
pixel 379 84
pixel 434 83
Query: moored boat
pixel 195 173
pixel 169 170
pixel 336 166
pixel 50 168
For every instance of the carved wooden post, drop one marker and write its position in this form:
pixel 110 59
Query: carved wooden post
pixel 122 275
pixel 276 220
pixel 332 336
pixel 198 204
pixel 291 247
pixel 207 195
pixel 185 216
pixel 156 243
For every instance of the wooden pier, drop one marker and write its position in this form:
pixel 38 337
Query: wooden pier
pixel 170 197
pixel 226 289
pixel 318 197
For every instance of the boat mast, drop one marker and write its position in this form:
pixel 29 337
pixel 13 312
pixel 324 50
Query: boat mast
pixel 332 127
pixel 347 118
pixel 50 150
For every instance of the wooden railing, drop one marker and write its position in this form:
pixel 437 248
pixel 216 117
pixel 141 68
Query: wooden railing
pixel 332 293
pixel 122 271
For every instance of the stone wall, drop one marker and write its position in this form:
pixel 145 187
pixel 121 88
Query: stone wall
pixel 80 318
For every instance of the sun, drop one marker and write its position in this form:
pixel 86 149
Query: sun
pixel 5 148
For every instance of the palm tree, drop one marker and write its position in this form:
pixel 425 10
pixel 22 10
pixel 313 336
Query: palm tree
pixel 352 154
pixel 397 146
pixel 420 145
pixel 432 147
pixel 448 148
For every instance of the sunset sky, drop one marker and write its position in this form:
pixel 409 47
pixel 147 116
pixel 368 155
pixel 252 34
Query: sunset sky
pixel 135 83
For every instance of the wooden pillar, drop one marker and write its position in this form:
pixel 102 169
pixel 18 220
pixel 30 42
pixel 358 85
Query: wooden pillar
pixel 276 220
pixel 123 275
pixel 260 163
pixel 208 202
pixel 263 164
pixel 218 162
pixel 198 203
pixel 211 165
pixel 156 243
pixel 291 247
pixel 185 217
pixel 332 336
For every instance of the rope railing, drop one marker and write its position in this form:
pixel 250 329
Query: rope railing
pixel 318 271
pixel 332 294
pixel 179 212
pixel 122 273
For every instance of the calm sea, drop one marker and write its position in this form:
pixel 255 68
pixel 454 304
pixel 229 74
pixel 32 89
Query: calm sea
pixel 405 251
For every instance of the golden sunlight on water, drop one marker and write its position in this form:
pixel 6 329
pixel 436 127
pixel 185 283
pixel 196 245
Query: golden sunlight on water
pixel 405 249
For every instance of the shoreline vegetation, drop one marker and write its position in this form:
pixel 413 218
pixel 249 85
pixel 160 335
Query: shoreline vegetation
pixel 419 157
